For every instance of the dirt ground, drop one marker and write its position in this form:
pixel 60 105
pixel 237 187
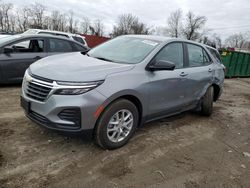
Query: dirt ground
pixel 187 150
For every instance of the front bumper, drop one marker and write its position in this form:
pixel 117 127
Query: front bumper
pixel 46 113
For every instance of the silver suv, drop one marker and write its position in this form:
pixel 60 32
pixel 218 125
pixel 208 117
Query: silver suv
pixel 120 85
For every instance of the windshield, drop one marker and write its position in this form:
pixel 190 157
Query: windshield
pixel 124 50
pixel 8 38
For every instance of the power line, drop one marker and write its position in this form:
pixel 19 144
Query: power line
pixel 231 27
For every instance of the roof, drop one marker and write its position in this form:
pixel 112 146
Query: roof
pixel 14 38
pixel 162 38
pixel 50 31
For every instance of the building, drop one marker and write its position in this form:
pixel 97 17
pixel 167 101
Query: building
pixel 93 40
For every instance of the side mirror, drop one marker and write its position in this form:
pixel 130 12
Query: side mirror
pixel 8 50
pixel 162 65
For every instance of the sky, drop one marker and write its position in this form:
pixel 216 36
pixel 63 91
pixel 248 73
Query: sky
pixel 224 17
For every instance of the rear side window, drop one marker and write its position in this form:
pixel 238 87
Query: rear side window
pixel 172 53
pixel 57 45
pixel 197 56
pixel 79 39
pixel 79 48
pixel 215 54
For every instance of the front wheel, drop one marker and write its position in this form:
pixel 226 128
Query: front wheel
pixel 207 102
pixel 117 124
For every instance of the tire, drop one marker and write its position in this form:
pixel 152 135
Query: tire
pixel 207 102
pixel 107 130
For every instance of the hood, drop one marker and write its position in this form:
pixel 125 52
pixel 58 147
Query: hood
pixel 76 67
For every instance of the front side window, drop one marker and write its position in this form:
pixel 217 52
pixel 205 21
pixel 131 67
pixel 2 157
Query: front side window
pixel 197 55
pixel 129 50
pixel 57 45
pixel 172 53
pixel 28 46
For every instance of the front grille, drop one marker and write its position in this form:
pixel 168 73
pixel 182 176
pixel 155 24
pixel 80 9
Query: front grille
pixel 37 91
pixel 72 115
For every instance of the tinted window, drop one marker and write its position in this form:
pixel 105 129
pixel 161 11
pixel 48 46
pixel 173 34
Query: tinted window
pixel 215 54
pixel 57 45
pixel 28 46
pixel 197 55
pixel 79 39
pixel 79 48
pixel 172 53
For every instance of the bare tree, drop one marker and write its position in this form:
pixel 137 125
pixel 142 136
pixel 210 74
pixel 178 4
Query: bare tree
pixel 175 24
pixel 37 12
pixel 71 21
pixel 194 25
pixel 98 28
pixel 55 20
pixel 5 9
pixel 129 24
pixel 235 40
pixel 23 19
pixel 217 40
pixel 85 23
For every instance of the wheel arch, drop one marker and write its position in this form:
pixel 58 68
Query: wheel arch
pixel 132 97
pixel 217 91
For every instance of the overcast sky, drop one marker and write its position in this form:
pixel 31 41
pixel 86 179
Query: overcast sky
pixel 224 16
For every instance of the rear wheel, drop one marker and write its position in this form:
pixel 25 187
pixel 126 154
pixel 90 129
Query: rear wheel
pixel 117 124
pixel 207 102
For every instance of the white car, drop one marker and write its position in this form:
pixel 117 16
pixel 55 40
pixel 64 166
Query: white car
pixel 75 37
pixel 2 36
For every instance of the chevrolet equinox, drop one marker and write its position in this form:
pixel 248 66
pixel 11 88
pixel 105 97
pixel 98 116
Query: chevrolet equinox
pixel 121 84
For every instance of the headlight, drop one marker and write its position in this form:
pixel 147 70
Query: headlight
pixel 75 88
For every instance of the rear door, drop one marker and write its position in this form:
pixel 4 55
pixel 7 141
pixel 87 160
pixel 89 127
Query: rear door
pixel 199 73
pixel 57 46
pixel 25 52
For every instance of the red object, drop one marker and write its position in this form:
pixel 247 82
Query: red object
pixel 93 40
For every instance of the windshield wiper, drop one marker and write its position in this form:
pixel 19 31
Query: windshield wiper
pixel 104 59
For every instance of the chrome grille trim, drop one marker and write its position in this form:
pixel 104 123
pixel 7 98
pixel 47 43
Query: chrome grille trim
pixel 37 90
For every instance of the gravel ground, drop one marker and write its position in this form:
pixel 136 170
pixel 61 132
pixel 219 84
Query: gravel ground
pixel 187 150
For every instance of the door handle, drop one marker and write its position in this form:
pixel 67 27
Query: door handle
pixel 183 74
pixel 210 70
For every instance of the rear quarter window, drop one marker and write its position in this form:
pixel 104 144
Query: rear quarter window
pixel 215 54
pixel 79 39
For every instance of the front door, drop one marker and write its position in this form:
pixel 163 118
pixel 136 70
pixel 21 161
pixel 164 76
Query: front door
pixel 24 54
pixel 167 87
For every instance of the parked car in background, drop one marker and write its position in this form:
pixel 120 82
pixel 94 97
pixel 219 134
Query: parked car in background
pixel 18 52
pixel 3 36
pixel 75 37
pixel 121 84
